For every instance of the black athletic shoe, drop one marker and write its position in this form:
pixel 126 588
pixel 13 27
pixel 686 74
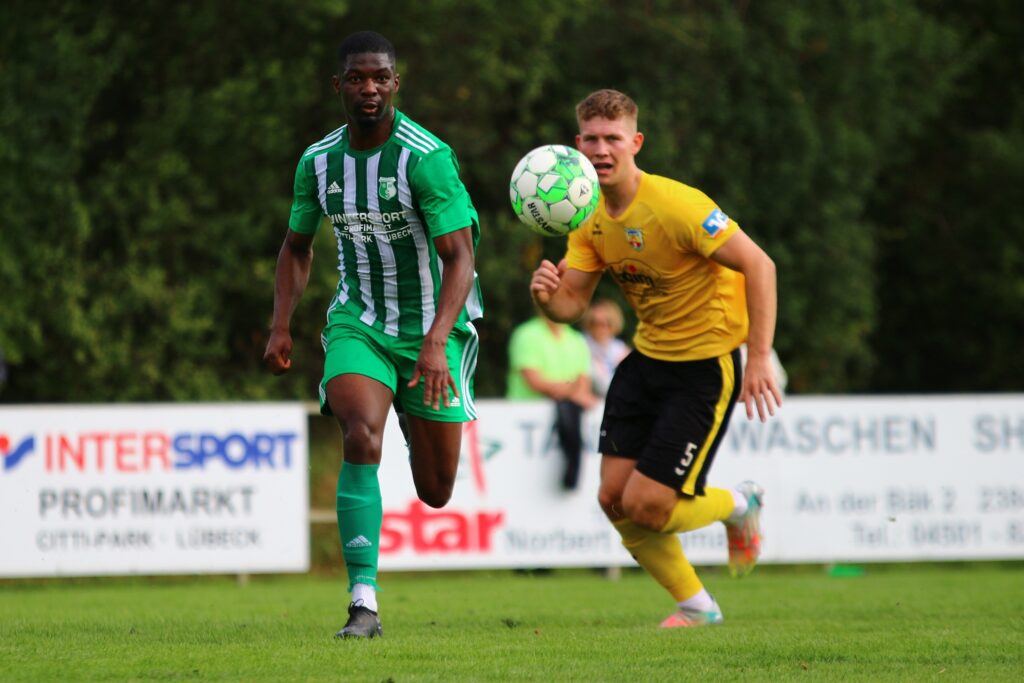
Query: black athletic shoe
pixel 362 623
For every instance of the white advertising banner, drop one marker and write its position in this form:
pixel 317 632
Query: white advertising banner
pixel 847 480
pixel 153 489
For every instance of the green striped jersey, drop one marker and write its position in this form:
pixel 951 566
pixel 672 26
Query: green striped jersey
pixel 386 205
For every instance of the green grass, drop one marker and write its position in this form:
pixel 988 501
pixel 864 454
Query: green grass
pixel 913 623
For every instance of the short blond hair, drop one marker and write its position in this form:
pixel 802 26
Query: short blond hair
pixel 610 309
pixel 607 104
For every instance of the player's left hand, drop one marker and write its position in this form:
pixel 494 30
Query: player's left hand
pixel 760 388
pixel 432 366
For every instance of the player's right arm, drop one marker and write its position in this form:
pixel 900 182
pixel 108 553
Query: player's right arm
pixel 562 293
pixel 293 266
pixel 292 274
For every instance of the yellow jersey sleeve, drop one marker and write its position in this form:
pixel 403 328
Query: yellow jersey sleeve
pixel 701 226
pixel 581 253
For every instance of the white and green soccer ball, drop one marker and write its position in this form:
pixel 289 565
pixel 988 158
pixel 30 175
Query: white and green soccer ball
pixel 554 190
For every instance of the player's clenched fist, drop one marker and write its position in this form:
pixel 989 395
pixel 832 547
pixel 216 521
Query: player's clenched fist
pixel 546 279
pixel 278 352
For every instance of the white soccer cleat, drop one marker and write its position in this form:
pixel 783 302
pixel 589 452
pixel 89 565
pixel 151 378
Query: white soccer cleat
pixel 685 618
pixel 745 535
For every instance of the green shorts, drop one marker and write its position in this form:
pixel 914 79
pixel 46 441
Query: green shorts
pixel 351 347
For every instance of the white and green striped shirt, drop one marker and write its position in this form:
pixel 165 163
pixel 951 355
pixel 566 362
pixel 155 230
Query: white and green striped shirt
pixel 387 205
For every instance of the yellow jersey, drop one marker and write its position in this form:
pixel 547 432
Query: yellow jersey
pixel 688 306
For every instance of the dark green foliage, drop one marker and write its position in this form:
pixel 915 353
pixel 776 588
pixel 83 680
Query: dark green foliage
pixel 145 182
pixel 951 280
pixel 147 151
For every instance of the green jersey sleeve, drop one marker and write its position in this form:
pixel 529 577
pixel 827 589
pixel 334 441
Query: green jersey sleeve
pixel 306 210
pixel 441 196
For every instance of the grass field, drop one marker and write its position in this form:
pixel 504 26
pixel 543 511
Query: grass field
pixel 962 622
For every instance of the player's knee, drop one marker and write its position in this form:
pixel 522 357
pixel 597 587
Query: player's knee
pixel 435 495
pixel 362 444
pixel 646 514
pixel 611 502
pixel 434 489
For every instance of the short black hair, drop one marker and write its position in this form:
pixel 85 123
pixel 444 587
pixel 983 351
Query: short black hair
pixel 365 41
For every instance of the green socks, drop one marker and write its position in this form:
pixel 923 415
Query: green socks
pixel 360 513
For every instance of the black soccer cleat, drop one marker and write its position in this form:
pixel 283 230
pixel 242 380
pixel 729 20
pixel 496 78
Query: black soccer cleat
pixel 362 623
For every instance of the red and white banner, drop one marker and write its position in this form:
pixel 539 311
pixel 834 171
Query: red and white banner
pixel 847 480
pixel 153 489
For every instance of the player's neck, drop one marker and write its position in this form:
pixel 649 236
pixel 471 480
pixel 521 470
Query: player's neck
pixel 362 137
pixel 619 196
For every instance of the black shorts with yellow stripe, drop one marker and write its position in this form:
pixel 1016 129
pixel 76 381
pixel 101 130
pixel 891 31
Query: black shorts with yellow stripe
pixel 670 416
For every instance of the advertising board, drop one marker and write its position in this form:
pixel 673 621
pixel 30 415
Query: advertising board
pixel 153 489
pixel 847 479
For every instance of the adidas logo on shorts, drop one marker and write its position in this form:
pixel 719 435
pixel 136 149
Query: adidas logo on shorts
pixel 359 541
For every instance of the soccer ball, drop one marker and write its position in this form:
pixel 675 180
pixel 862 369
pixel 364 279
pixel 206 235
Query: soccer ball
pixel 554 189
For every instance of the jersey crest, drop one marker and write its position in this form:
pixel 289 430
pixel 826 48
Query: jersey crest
pixel 635 238
pixel 387 188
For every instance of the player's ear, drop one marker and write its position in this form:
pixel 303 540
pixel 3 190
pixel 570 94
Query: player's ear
pixel 336 84
pixel 638 142
pixel 396 82
pixel 578 138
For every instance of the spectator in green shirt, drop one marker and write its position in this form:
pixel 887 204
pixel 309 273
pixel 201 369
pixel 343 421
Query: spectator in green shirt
pixel 549 359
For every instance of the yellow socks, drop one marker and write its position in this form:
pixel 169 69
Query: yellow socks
pixel 661 555
pixel 694 513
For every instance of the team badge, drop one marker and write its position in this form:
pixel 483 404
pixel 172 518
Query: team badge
pixel 715 223
pixel 387 188
pixel 635 238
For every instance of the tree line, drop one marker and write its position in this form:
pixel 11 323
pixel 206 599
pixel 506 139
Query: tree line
pixel 875 149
